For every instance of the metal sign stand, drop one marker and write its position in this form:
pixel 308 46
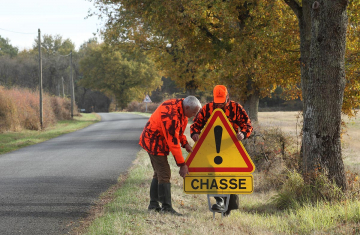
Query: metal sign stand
pixel 227 199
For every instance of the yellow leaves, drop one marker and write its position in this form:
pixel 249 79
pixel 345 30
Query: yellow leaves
pixel 217 40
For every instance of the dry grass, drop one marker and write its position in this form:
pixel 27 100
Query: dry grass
pixel 291 122
pixel 19 109
pixel 135 106
pixel 127 214
pixel 10 141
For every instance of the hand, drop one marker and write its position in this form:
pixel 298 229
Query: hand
pixel 183 171
pixel 188 148
pixel 195 137
pixel 240 136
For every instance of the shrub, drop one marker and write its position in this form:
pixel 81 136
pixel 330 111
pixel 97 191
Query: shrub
pixel 19 109
pixel 135 106
pixel 8 113
pixel 61 108
pixel 353 184
pixel 295 192
pixel 276 158
pixel 271 145
pixel 273 153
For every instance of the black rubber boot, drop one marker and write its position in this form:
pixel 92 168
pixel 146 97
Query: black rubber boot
pixel 154 198
pixel 227 213
pixel 220 205
pixel 165 199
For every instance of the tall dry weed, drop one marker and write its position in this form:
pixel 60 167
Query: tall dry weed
pixel 135 106
pixel 8 113
pixel 19 109
pixel 61 108
pixel 273 153
pixel 295 192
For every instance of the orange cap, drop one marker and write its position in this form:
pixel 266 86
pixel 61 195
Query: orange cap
pixel 220 93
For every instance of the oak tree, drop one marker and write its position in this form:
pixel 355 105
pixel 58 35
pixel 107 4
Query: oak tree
pixel 203 43
pixel 126 76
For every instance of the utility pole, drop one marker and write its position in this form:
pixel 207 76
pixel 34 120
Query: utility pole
pixel 62 80
pixel 40 79
pixel 72 87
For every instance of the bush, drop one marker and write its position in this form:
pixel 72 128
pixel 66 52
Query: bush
pixel 353 184
pixel 61 108
pixel 295 192
pixel 273 153
pixel 135 106
pixel 8 113
pixel 19 109
pixel 272 146
pixel 277 159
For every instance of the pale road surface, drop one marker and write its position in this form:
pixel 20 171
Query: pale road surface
pixel 46 187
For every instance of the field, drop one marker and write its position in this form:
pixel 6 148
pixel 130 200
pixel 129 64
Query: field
pixel 123 209
pixel 291 122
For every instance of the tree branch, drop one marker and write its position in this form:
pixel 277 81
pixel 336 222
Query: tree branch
pixel 295 6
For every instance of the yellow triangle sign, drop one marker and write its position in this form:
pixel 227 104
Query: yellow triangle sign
pixel 218 149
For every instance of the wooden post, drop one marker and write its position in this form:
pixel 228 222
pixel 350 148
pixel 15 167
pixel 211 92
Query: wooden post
pixel 72 87
pixel 40 80
pixel 63 91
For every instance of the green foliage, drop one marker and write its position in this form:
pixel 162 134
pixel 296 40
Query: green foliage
pixel 352 58
pixel 54 44
pixel 242 44
pixel 250 46
pixel 6 48
pixel 22 71
pixel 295 192
pixel 127 76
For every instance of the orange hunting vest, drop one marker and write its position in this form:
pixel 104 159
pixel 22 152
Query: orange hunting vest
pixel 235 113
pixel 164 131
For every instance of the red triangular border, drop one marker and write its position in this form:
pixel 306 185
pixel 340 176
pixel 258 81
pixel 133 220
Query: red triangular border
pixel 250 166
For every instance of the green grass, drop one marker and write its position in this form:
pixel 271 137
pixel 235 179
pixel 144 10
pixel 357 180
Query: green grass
pixel 258 214
pixel 127 213
pixel 10 141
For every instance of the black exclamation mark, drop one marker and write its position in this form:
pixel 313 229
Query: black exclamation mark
pixel 218 135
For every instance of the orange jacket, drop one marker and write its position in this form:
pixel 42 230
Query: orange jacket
pixel 164 131
pixel 235 113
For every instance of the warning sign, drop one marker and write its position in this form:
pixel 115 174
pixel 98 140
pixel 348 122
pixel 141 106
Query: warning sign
pixel 147 99
pixel 218 149
pixel 218 184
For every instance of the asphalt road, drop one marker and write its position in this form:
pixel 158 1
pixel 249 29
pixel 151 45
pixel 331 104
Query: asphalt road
pixel 47 187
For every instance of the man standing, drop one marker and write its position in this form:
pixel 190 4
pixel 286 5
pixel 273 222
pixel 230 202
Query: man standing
pixel 164 133
pixel 238 119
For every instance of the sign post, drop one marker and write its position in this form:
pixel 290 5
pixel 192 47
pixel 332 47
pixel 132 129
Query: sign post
pixel 219 163
pixel 146 101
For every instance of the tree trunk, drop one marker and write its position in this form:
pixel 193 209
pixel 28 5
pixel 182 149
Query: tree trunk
pixel 251 106
pixel 304 18
pixel 322 81
pixel 325 90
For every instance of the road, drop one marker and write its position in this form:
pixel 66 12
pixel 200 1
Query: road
pixel 44 188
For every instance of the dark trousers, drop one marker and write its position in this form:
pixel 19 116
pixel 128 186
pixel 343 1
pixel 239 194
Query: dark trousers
pixel 233 202
pixel 161 168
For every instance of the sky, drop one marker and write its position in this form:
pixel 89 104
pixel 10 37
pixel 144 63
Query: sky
pixel 53 17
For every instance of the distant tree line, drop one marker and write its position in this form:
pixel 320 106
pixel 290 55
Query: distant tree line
pixel 21 69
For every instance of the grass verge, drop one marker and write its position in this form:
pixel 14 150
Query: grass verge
pixel 126 211
pixel 10 141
